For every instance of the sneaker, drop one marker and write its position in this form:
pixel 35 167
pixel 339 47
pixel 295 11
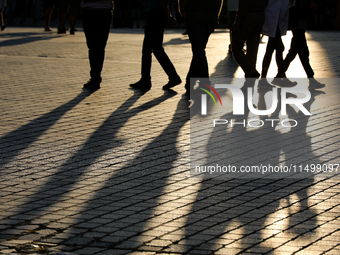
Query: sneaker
pixel 61 30
pixel 93 84
pixel 172 83
pixel 254 74
pixel 146 85
pixel 283 82
pixel 264 84
pixel 314 84
pixel 48 29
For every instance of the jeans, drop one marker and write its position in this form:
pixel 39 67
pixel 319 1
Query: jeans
pixel 96 25
pixel 199 26
pixel 274 43
pixel 249 33
pixel 299 47
pixel 153 43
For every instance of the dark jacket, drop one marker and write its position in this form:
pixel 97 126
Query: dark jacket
pixel 299 14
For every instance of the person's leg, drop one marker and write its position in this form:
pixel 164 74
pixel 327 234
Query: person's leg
pixel 304 52
pixel 145 81
pixel 147 50
pixel 158 50
pixel 231 20
pixel 2 8
pixel 293 51
pixel 24 4
pixel 268 56
pixel 48 16
pixel 249 32
pixel 62 7
pixel 2 24
pixel 199 28
pixel 263 83
pixel 279 47
pixel 96 25
pixel 74 10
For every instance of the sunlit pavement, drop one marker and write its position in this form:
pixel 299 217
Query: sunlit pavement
pixel 108 172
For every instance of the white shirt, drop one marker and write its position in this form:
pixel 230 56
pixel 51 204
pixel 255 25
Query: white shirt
pixel 276 15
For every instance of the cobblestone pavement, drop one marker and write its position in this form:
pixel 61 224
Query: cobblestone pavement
pixel 108 172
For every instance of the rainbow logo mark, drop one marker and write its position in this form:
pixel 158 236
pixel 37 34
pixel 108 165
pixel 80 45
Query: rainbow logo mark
pixel 208 92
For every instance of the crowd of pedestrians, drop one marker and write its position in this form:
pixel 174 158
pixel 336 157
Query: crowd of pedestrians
pixel 269 17
pixel 247 20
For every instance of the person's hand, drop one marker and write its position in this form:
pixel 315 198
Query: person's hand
pixel 172 21
pixel 314 7
pixel 235 27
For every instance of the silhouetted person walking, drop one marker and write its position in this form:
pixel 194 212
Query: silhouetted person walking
pixel 298 23
pixel 2 8
pixel 158 18
pixel 275 26
pixel 247 29
pixel 232 10
pixel 97 18
pixel 201 17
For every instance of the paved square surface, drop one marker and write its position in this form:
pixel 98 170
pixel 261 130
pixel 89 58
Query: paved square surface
pixel 108 172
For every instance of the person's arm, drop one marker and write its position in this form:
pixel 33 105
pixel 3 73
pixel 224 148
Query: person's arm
pixel 219 12
pixel 313 6
pixel 181 8
pixel 164 7
pixel 241 13
pixel 242 10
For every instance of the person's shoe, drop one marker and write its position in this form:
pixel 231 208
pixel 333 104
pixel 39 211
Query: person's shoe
pixel 255 74
pixel 48 29
pixel 145 85
pixel 61 30
pixel 314 84
pixel 93 84
pixel 172 83
pixel 283 82
pixel 185 32
pixel 3 27
pixel 264 84
pixel 72 31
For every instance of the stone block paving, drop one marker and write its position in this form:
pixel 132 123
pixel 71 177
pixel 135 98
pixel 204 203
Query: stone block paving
pixel 107 172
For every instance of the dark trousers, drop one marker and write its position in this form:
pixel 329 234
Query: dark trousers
pixel 153 43
pixel 199 27
pixel 96 25
pixel 249 33
pixel 274 43
pixel 298 46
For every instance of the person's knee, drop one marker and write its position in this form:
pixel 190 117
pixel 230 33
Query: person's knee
pixel 198 52
pixel 158 50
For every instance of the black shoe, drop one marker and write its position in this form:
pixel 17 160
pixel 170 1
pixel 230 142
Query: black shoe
pixel 265 85
pixel 172 83
pixel 72 31
pixel 3 27
pixel 283 82
pixel 255 74
pixel 314 84
pixel 61 30
pixel 146 85
pixel 93 84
